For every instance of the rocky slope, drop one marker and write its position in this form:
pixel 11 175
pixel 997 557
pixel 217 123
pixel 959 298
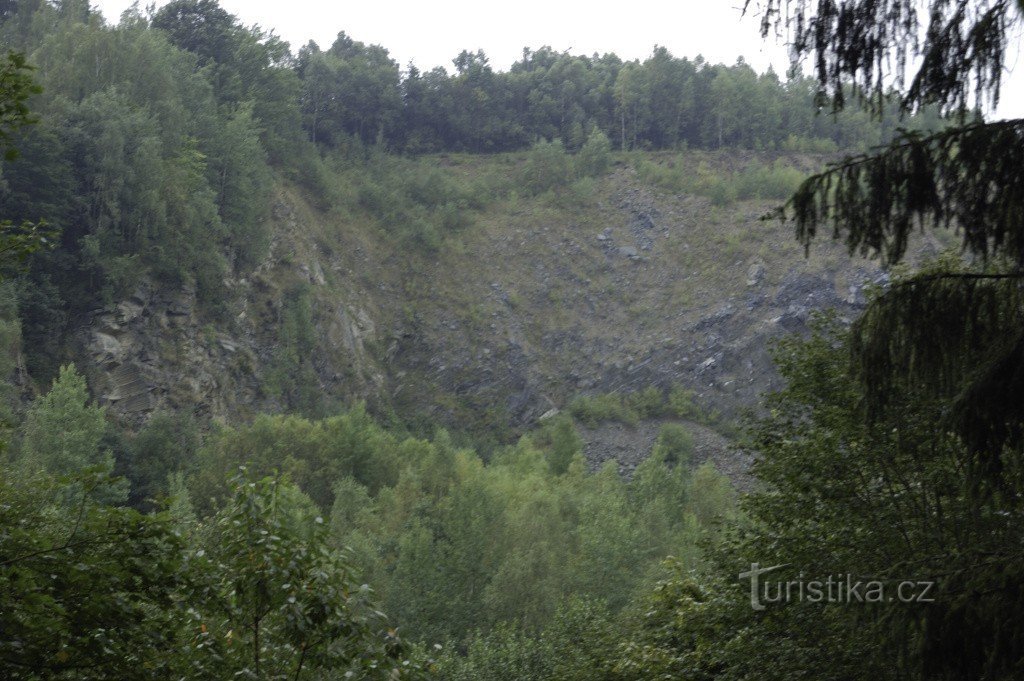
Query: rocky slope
pixel 612 287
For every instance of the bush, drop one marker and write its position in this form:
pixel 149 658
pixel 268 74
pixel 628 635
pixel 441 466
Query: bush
pixel 775 181
pixel 547 167
pixel 416 201
pixel 674 445
pixel 595 156
pixel 648 403
pixel 721 191
pixel 681 403
pixel 596 409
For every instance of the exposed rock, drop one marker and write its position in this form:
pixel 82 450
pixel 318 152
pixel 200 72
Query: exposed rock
pixel 104 347
pixel 755 274
pixel 129 390
pixel 313 273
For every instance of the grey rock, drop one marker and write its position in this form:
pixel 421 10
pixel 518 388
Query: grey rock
pixel 755 274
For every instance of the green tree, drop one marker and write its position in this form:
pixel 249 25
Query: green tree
pixel 547 167
pixel 674 445
pixel 16 88
pixel 630 104
pixel 63 430
pixel 954 333
pixel 350 90
pixel 561 443
pixel 314 454
pixel 594 156
pixel 166 446
pixel 87 591
pixel 202 27
pixel 276 602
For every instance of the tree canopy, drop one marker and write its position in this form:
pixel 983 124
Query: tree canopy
pixel 954 329
pixel 952 333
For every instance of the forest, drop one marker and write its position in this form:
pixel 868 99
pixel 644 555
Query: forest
pixel 338 538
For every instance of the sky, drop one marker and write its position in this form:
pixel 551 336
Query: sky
pixel 431 34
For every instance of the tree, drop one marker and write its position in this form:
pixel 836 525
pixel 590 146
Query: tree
pixel 87 591
pixel 561 443
pixel 968 176
pixel 16 88
pixel 547 167
pixel 63 435
pixel 63 430
pixel 90 592
pixel 276 602
pixel 163 448
pixel 351 89
pixel 674 444
pixel 202 27
pixel 594 156
pixel 952 334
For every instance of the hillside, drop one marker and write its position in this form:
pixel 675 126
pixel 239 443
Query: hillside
pixel 608 285
pixel 316 366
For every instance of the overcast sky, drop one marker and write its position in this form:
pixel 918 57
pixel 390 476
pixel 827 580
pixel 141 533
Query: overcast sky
pixel 432 33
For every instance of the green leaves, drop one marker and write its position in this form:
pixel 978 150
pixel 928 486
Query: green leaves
pixel 16 88
pixel 951 51
pixel 969 178
pixel 63 432
pixel 89 591
pixel 274 602
pixel 894 498
pixel 86 591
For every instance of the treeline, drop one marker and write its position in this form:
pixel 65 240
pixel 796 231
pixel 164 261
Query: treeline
pixel 158 139
pixel 352 90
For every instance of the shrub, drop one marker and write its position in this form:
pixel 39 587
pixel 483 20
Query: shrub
pixel 681 403
pixel 775 181
pixel 547 167
pixel 674 444
pixel 596 409
pixel 595 156
pixel 648 403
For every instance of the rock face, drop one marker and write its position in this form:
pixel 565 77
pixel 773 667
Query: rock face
pixel 648 289
pixel 160 350
pixel 152 352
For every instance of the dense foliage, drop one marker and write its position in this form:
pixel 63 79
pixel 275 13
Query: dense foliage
pixel 242 550
pixel 262 575
pixel 948 339
pixel 92 591
pixel 884 502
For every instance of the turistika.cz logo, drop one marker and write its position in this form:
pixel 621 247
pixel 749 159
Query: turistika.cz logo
pixel 841 588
